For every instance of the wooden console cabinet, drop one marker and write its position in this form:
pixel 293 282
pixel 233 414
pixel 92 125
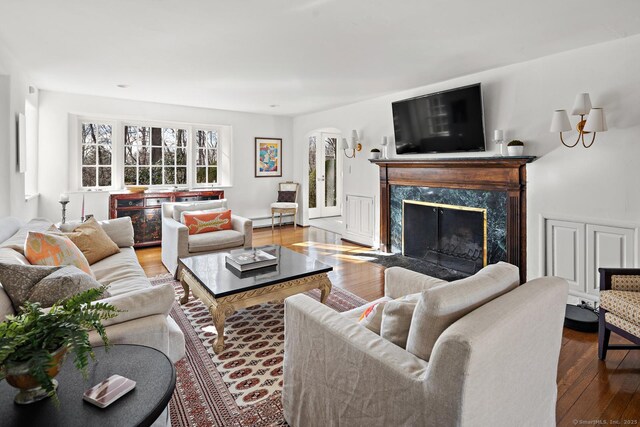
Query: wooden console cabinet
pixel 146 213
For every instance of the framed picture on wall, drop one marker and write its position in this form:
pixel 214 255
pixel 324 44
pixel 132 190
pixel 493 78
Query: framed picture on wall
pixel 268 157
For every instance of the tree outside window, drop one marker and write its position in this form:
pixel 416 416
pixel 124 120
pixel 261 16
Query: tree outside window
pixel 97 148
pixel 155 155
pixel 206 157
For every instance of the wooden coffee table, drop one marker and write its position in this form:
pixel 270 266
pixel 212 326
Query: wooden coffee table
pixel 225 290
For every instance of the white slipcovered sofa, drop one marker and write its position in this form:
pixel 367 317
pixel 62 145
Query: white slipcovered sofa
pixel 494 366
pixel 145 318
pixel 177 243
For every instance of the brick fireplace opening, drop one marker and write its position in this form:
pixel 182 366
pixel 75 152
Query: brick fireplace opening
pixel 449 236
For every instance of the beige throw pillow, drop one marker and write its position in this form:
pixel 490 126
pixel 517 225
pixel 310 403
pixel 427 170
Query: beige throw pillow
pixel 92 240
pixel 371 318
pixel 396 320
pixel 440 307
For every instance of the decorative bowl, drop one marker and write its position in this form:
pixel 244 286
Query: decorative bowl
pixel 19 377
pixel 137 188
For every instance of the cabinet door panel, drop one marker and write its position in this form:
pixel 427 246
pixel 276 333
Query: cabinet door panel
pixel 153 225
pixel 565 252
pixel 612 247
pixel 137 220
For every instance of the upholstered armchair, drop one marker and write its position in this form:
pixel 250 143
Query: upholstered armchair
pixel 178 243
pixel 287 203
pixel 495 365
pixel 619 308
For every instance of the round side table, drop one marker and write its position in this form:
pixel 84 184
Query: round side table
pixel 153 372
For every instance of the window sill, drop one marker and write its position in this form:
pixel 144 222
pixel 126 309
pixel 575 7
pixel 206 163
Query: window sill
pixel 211 187
pixel 171 190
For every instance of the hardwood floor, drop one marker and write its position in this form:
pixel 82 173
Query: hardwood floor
pixel 589 391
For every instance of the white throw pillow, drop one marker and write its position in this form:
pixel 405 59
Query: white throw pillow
pixel 371 318
pixel 396 320
pixel 439 307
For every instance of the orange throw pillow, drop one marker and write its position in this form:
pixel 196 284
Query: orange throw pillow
pixel 207 222
pixel 54 250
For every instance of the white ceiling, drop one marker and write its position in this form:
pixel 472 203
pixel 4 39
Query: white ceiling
pixel 304 55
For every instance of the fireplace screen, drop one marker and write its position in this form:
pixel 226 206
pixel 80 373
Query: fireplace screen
pixel 450 236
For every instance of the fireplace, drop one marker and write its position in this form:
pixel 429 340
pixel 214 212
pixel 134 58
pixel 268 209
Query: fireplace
pixel 449 236
pixel 497 184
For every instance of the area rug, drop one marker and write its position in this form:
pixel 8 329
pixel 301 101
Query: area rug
pixel 241 386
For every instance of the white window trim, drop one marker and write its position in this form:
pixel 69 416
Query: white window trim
pixel 117 173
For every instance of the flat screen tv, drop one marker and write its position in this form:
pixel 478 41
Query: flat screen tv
pixel 444 122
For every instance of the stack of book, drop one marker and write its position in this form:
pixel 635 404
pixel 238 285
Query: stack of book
pixel 250 259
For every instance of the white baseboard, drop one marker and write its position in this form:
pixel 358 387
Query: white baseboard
pixel 266 222
pixel 359 239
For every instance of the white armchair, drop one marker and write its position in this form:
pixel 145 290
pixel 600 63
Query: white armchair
pixel 496 365
pixel 177 243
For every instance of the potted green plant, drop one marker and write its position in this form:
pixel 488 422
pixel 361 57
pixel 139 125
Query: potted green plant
pixel 374 154
pixel 34 343
pixel 515 148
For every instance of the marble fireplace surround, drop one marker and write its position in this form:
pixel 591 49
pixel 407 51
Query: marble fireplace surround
pixel 495 183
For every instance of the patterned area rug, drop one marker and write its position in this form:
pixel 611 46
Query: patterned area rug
pixel 242 385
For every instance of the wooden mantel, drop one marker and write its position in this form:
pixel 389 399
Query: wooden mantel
pixel 507 174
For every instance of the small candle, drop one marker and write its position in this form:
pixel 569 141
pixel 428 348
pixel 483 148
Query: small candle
pixel 64 197
pixel 498 135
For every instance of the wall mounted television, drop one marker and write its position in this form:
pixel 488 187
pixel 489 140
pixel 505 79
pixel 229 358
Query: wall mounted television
pixel 451 121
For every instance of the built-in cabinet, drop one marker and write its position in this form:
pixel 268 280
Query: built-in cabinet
pixel 575 249
pixel 359 219
pixel 144 209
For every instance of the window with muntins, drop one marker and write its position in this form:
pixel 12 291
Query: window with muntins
pixel 155 155
pixel 97 155
pixel 117 153
pixel 206 157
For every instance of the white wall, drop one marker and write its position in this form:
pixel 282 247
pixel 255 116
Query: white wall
pixel 248 196
pixel 14 91
pixel 601 183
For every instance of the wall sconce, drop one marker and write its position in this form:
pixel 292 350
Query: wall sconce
pixel 596 122
pixel 353 147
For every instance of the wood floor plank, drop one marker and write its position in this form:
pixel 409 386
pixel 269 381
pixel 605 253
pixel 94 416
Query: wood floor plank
pixel 630 384
pixel 631 415
pixel 575 357
pixel 601 390
pixel 574 403
pixel 587 388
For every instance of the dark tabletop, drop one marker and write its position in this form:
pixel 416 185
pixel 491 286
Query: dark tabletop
pixel 153 372
pixel 221 280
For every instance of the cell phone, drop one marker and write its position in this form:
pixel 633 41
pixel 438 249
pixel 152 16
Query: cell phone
pixel 109 390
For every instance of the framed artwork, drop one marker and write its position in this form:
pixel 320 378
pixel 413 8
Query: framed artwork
pixel 268 157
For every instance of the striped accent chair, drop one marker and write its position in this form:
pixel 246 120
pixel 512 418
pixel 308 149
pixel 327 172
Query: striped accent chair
pixel 619 308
